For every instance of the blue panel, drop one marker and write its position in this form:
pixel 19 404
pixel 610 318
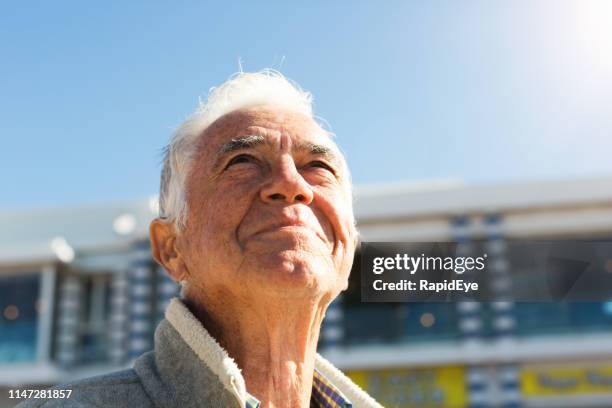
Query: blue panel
pixel 18 317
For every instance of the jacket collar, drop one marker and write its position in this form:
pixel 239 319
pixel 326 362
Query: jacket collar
pixel 224 367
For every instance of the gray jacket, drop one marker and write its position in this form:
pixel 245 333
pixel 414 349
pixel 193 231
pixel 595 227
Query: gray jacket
pixel 187 368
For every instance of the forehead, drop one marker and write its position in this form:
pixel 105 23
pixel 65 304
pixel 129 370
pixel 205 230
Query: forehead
pixel 268 121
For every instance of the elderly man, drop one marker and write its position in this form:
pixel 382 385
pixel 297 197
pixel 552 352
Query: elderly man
pixel 256 222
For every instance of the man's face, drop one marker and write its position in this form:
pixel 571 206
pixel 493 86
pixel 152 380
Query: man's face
pixel 270 208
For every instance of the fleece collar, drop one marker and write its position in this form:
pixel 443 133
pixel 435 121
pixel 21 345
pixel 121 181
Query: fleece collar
pixel 216 358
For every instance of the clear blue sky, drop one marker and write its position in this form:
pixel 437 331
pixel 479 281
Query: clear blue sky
pixel 485 91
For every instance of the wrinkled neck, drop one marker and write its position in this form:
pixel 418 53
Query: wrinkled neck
pixel 273 342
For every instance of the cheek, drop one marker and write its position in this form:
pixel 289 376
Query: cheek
pixel 211 230
pixel 219 213
pixel 338 213
pixel 324 219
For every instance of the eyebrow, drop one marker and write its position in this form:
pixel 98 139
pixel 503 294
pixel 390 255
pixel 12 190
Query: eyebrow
pixel 321 150
pixel 241 143
pixel 251 141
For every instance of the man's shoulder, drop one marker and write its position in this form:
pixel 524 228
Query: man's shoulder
pixel 117 389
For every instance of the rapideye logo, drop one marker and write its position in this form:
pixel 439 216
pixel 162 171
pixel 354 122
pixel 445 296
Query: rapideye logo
pixel 413 264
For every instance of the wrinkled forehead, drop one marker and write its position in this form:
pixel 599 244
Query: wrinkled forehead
pixel 267 121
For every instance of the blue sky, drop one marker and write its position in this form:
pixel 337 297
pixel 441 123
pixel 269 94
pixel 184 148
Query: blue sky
pixel 484 91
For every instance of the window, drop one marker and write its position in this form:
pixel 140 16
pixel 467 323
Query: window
pixel 93 328
pixel 19 305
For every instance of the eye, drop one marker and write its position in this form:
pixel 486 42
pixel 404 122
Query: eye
pixel 241 158
pixel 322 165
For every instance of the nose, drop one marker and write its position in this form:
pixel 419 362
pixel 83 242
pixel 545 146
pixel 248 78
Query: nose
pixel 286 185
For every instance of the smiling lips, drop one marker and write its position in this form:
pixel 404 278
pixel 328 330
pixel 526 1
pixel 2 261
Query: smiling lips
pixel 289 224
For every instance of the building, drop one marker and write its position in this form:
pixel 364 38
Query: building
pixel 80 295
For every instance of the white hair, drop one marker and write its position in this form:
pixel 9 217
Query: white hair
pixel 242 90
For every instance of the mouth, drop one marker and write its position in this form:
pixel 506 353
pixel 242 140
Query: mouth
pixel 293 227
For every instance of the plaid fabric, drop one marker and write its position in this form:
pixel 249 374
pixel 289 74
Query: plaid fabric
pixel 324 395
pixel 251 401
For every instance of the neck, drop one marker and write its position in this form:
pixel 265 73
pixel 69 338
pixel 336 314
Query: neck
pixel 273 341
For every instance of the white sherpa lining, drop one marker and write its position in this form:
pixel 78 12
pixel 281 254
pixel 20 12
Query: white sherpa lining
pixel 217 359
pixel 207 348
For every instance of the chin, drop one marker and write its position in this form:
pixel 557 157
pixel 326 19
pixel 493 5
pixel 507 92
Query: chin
pixel 293 272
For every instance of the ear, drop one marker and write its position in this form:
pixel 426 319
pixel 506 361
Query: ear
pixel 163 234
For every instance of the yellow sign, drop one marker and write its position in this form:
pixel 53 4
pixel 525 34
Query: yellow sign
pixel 540 381
pixel 415 388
